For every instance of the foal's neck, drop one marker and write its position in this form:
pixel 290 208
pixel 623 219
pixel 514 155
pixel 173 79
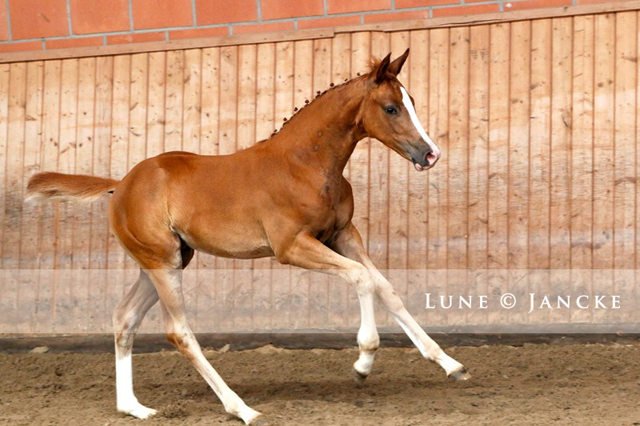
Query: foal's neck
pixel 324 133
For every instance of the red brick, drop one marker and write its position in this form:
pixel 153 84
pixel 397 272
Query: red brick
pixel 400 4
pixel 466 10
pixel 211 12
pixel 263 28
pixel 4 24
pixel 199 33
pixel 38 18
pixel 66 43
pixel 278 9
pixel 21 47
pixel 149 14
pixel 591 1
pixel 398 16
pixel 346 6
pixel 136 38
pixel 99 16
pixel 328 22
pixel 534 4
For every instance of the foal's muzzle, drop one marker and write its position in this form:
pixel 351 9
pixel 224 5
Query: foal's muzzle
pixel 423 156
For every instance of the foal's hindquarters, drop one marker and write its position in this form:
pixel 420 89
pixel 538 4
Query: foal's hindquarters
pixel 141 219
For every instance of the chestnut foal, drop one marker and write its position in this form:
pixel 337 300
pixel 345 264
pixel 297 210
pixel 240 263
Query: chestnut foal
pixel 285 197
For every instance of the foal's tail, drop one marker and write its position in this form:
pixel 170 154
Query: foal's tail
pixel 57 185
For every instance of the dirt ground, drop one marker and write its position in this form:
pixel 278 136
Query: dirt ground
pixel 532 385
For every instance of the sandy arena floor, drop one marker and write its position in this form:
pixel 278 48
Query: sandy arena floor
pixel 530 385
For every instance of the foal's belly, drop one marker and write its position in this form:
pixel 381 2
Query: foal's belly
pixel 230 240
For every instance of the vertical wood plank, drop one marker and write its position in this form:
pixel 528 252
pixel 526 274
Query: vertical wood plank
pixel 33 127
pixel 4 121
pixel 582 161
pixel 498 162
pixel 603 151
pixel 518 189
pixel 458 164
pixel 437 245
pixel 12 187
pixel 156 104
pixel 478 165
pixel 173 101
pixel 540 153
pixel 13 294
pixel 561 79
pixel 191 108
pixel 560 142
pixel 457 185
pixel 625 149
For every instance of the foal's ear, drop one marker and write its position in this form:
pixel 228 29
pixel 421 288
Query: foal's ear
pixel 383 66
pixel 396 66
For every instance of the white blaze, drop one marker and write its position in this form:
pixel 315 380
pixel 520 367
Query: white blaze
pixel 406 100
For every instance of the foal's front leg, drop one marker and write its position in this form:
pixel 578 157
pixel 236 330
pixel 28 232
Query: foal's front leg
pixel 349 244
pixel 309 253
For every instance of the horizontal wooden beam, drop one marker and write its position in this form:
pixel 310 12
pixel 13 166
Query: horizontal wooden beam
pixel 243 39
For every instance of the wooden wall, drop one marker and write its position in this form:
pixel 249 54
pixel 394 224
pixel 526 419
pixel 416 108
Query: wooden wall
pixel 537 121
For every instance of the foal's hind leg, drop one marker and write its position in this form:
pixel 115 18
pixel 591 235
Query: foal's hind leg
pixel 126 320
pixel 169 286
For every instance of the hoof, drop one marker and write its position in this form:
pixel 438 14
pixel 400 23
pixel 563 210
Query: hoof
pixel 138 411
pixel 460 375
pixel 358 376
pixel 260 421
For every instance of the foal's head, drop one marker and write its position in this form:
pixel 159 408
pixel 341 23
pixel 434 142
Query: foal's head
pixel 388 115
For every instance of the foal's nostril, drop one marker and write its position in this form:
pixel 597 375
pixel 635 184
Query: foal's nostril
pixel 431 158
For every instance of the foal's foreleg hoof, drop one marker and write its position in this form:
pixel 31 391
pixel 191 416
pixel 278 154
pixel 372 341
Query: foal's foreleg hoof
pixel 358 376
pixel 137 410
pixel 460 375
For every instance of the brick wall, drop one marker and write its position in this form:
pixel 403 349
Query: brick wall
pixel 28 25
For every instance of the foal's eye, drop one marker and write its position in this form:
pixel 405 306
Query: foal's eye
pixel 391 110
